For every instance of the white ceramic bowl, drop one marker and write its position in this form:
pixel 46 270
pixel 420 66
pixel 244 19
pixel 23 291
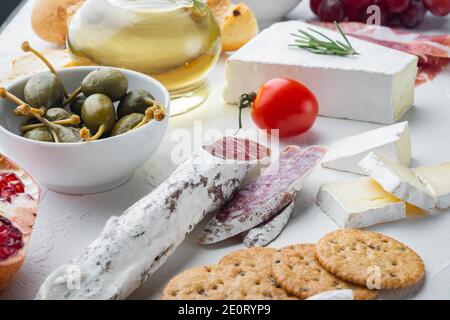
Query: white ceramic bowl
pixel 270 11
pixel 85 167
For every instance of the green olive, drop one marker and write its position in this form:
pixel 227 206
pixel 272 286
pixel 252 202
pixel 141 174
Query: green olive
pixel 39 134
pixel 136 101
pixel 44 90
pixel 77 104
pixel 127 123
pixel 55 114
pixel 98 110
pixel 107 81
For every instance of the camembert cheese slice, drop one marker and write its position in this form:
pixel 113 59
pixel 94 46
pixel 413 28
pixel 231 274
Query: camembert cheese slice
pixel 360 203
pixel 400 181
pixel 437 180
pixel 375 86
pixel 391 142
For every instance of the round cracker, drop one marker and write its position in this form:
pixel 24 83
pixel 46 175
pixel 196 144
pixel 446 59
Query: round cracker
pixel 254 265
pixel 199 283
pixel 370 259
pixel 222 283
pixel 297 270
pixel 256 259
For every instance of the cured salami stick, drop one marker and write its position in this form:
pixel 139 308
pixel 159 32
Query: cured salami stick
pixel 268 231
pixel 134 245
pixel 265 196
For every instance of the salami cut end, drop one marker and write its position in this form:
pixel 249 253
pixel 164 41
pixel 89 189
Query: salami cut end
pixel 265 196
pixel 265 233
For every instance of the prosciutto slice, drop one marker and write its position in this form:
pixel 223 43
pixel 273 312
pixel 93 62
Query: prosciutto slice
pixel 134 245
pixel 265 196
pixel 433 50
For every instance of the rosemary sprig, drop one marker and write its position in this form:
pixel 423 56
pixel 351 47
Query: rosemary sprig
pixel 308 41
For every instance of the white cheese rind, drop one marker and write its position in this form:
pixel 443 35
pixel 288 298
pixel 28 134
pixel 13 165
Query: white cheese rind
pixel 345 294
pixel 391 142
pixel 437 180
pixel 349 218
pixel 375 86
pixel 399 181
pixel 134 245
pixel 264 234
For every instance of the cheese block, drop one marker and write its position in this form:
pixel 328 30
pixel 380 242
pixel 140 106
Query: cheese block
pixel 437 180
pixel 359 203
pixel 391 142
pixel 399 181
pixel 375 86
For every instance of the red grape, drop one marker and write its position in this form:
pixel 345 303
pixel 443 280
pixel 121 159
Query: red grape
pixel 314 4
pixel 414 15
pixel 357 4
pixel 438 7
pixel 362 14
pixel 397 6
pixel 355 14
pixel 332 10
pixel 384 11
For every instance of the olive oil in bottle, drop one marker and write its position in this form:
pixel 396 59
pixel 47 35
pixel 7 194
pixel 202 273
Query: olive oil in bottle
pixel 177 42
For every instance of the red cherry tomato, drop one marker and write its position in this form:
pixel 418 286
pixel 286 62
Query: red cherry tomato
pixel 286 105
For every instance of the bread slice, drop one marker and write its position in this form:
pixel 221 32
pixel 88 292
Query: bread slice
pixel 237 23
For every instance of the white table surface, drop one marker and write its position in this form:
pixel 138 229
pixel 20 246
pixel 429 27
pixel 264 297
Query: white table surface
pixel 66 224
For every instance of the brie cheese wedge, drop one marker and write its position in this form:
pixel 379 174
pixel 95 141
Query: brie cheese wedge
pixel 360 203
pixel 437 180
pixel 375 86
pixel 391 142
pixel 399 181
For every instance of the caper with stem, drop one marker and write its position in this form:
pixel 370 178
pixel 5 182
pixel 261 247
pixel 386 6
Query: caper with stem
pixel 55 114
pixel 135 101
pixel 107 81
pixel 127 123
pixel 98 114
pixel 61 134
pixel 152 113
pixel 5 94
pixel 44 90
pixel 26 47
pixel 77 104
pixel 39 134
pixel 74 120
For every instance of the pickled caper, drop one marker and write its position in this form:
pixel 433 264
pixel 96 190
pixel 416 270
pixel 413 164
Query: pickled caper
pixel 55 114
pixel 26 47
pixel 107 81
pixel 39 134
pixel 136 101
pixel 44 90
pixel 77 104
pixel 73 121
pixel 127 123
pixel 67 134
pixel 98 114
pixel 30 121
pixel 60 133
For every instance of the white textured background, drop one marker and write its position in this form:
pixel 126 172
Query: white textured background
pixel 66 224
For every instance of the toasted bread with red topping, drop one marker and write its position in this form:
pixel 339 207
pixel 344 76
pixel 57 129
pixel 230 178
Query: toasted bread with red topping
pixel 19 197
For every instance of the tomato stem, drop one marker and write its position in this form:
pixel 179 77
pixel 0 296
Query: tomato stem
pixel 245 101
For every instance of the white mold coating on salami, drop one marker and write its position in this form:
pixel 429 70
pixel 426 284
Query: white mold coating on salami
pixel 265 233
pixel 136 244
pixel 265 196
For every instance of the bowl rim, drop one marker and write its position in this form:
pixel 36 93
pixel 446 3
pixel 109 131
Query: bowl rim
pixel 157 83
